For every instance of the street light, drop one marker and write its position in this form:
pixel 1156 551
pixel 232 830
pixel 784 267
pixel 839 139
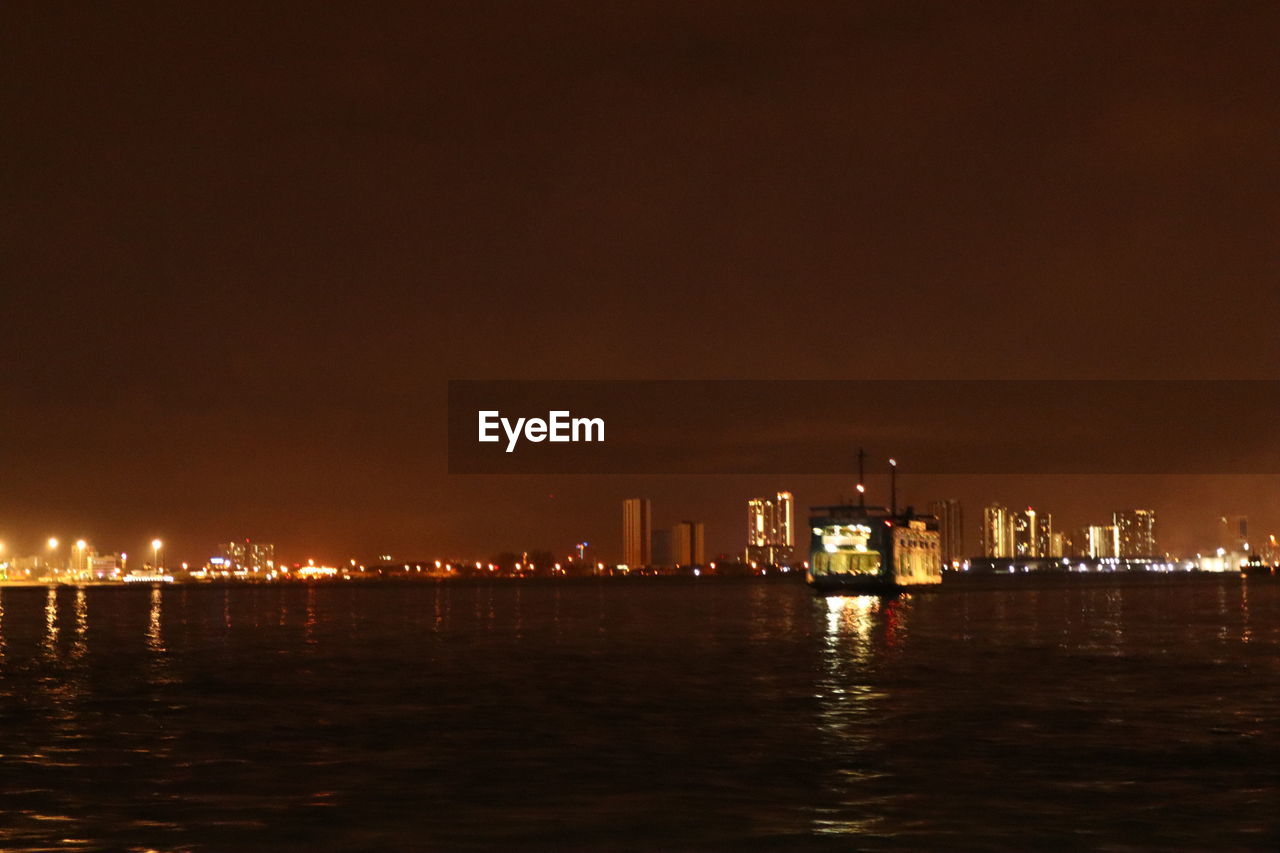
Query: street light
pixel 53 552
pixel 80 546
pixel 156 544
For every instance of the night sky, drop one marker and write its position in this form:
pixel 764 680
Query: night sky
pixel 244 246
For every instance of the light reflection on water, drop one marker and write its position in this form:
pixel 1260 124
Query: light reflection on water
pixel 81 645
pixel 155 635
pixel 51 623
pixel 847 700
pixel 659 716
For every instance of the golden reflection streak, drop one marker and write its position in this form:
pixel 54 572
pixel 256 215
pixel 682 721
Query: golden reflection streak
pixel 1223 628
pixel 519 615
pixel 851 617
pixel 2 645
pixel 155 636
pixel 309 623
pixel 50 644
pixel 1246 632
pixel 846 705
pixel 81 646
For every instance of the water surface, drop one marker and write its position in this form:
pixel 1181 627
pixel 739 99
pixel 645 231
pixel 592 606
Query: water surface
pixel 686 715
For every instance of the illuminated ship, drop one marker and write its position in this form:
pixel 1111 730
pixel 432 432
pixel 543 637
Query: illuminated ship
pixel 871 549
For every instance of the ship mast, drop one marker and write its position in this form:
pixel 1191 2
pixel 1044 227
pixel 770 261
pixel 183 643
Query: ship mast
pixel 862 489
pixel 893 486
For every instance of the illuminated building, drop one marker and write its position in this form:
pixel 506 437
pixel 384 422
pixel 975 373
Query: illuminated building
pixel 1233 538
pixel 1136 532
pixel 1271 551
pixel 1100 541
pixel 1044 535
pixel 688 544
pixel 1024 533
pixel 262 556
pixel 1211 562
pixel 997 531
pixel 102 566
pixel 637 532
pixel 31 566
pixel 1024 540
pixel 950 528
pixel 247 557
pixel 1233 533
pixel 1032 533
pixel 1092 541
pixel 771 529
pixel 1076 544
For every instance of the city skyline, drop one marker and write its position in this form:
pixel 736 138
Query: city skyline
pixel 1204 532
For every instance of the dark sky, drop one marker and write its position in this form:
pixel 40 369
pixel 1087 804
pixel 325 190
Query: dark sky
pixel 245 245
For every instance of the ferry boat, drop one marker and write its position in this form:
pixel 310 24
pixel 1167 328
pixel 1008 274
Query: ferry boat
pixel 147 577
pixel 864 549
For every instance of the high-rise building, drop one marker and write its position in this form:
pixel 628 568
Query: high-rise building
pixel 1044 535
pixel 637 533
pixel 950 528
pixel 688 543
pixel 997 531
pixel 1233 540
pixel 771 529
pixel 247 556
pixel 1032 533
pixel 1100 540
pixel 1024 533
pixel 262 556
pixel 1233 533
pixel 661 553
pixel 1136 532
pixel 1079 542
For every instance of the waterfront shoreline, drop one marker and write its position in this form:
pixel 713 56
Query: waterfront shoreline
pixel 952 581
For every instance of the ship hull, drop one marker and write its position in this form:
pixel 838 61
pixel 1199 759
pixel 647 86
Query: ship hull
pixel 847 585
